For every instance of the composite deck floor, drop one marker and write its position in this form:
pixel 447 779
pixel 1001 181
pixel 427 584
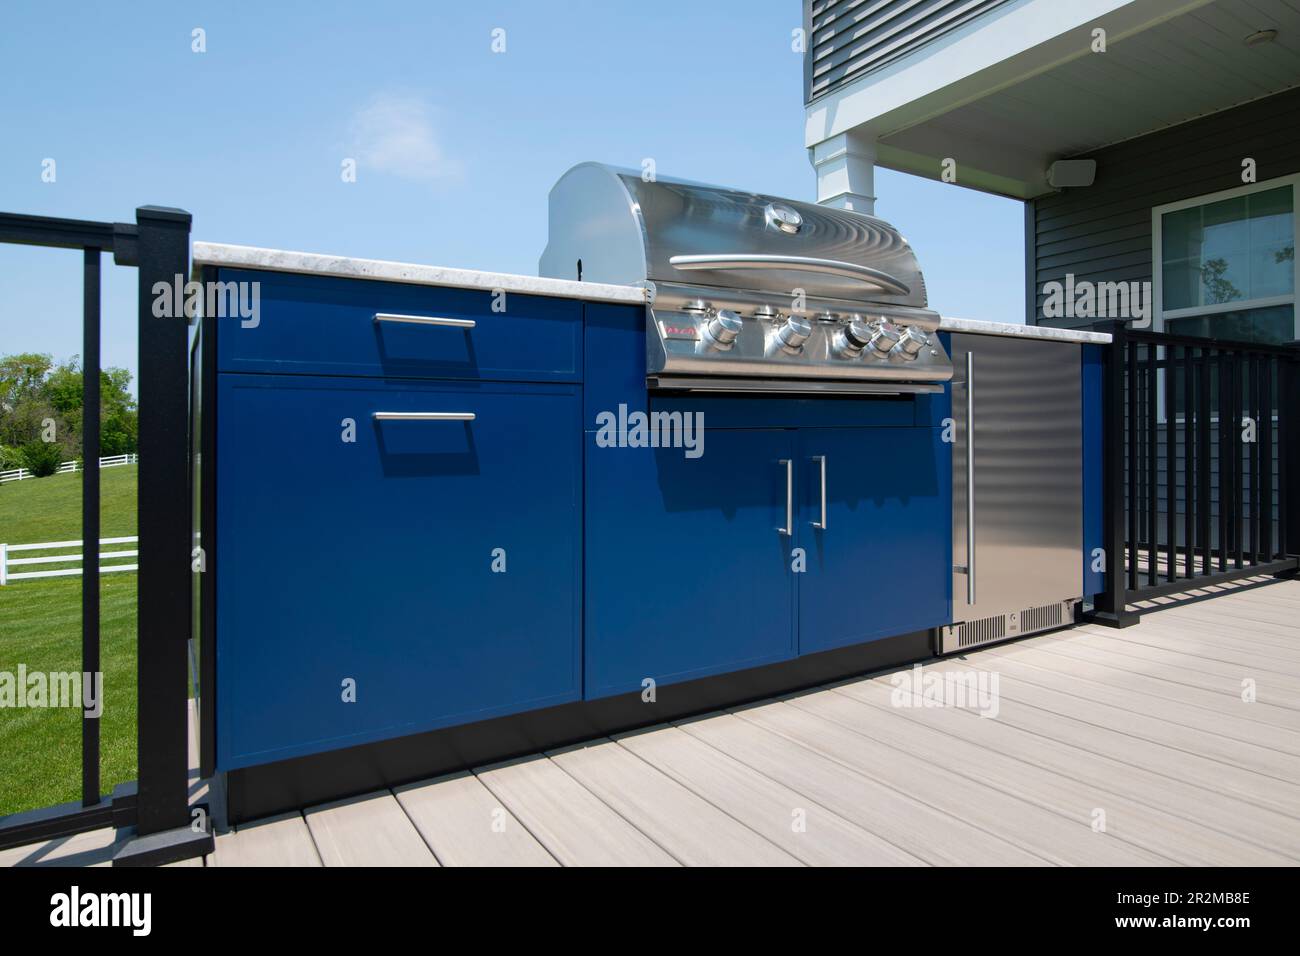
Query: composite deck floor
pixel 1132 747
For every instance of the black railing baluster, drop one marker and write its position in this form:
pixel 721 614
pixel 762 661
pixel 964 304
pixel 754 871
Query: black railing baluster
pixel 1266 457
pixel 1153 464
pixel 1133 464
pixel 90 317
pixel 1171 469
pixel 1189 463
pixel 1221 469
pixel 1254 460
pixel 1203 461
pixel 1239 383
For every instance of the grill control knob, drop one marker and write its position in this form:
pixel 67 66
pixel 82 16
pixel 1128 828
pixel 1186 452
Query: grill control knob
pixel 851 339
pixel 910 344
pixel 858 333
pixel 793 333
pixel 883 338
pixel 723 328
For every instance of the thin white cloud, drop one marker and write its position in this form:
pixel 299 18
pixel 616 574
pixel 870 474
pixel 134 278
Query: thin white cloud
pixel 395 133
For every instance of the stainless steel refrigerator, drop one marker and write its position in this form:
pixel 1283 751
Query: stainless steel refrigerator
pixel 1018 499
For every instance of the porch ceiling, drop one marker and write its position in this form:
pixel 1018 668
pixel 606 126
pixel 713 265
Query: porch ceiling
pixel 1175 70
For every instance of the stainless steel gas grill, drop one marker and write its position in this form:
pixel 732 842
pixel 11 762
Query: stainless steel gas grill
pixel 751 293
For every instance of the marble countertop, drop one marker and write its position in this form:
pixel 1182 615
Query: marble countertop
pixel 279 260
pixel 981 327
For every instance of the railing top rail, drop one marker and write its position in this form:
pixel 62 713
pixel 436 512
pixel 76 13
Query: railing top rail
pixel 1151 336
pixel 55 232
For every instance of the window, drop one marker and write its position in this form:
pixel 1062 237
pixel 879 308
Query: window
pixel 1226 265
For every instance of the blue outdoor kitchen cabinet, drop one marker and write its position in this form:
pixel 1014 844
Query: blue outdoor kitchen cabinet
pixel 432 564
pixel 417 527
pixel 693 566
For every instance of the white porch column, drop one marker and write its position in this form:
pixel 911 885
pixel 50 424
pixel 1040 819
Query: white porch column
pixel 846 172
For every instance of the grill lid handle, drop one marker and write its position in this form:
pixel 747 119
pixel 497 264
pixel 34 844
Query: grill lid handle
pixel 746 260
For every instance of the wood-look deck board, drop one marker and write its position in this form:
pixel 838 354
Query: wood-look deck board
pixel 1001 812
pixel 1226 701
pixel 574 825
pixel 1107 638
pixel 282 840
pixel 934 836
pixel 1177 751
pixel 372 830
pixel 466 825
pixel 1142 807
pixel 686 825
pixel 1276 690
pixel 1274 746
pixel 804 829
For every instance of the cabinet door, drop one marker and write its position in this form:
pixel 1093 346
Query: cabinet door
pixel 880 565
pixel 688 573
pixel 433 562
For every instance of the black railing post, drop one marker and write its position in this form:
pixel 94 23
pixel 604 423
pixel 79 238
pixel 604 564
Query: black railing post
pixel 1112 603
pixel 163 832
pixel 90 794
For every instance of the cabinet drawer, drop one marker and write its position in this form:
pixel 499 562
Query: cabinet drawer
pixel 435 562
pixel 322 325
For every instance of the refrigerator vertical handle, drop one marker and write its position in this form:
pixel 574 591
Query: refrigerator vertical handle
pixel 970 478
pixel 821 461
pixel 788 530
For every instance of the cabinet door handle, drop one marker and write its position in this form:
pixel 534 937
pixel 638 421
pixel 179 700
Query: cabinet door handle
pixel 821 460
pixel 424 320
pixel 788 530
pixel 970 478
pixel 423 416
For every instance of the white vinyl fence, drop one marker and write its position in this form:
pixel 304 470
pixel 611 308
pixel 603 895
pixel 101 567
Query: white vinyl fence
pixel 19 474
pixel 7 562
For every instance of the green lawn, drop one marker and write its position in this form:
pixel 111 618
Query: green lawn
pixel 49 509
pixel 40 626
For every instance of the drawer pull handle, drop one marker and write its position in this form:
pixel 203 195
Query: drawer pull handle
pixel 424 416
pixel 424 320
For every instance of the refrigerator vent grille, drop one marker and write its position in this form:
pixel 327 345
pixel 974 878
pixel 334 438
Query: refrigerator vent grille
pixel 979 632
pixel 1041 618
pixel 1000 627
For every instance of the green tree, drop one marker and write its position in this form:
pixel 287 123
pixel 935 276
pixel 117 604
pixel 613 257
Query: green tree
pixel 42 458
pixel 36 393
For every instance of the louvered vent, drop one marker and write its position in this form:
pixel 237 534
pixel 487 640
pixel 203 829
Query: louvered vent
pixel 1000 627
pixel 1041 618
pixel 849 38
pixel 980 632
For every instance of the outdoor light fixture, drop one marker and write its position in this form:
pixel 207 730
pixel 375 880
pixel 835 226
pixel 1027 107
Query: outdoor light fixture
pixel 1261 36
pixel 1071 173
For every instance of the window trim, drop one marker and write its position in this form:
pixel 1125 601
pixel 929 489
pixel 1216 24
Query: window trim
pixel 1158 314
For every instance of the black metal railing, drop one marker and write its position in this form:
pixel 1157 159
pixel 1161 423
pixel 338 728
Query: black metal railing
pixel 153 812
pixel 1202 438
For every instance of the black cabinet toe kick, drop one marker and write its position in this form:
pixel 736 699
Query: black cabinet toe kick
pixel 260 791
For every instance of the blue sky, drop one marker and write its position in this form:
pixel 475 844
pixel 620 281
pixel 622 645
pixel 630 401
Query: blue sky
pixel 456 146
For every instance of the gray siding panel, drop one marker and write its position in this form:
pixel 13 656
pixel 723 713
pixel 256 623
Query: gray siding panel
pixel 1103 232
pixel 848 38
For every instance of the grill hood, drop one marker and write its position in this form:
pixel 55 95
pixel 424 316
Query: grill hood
pixel 750 292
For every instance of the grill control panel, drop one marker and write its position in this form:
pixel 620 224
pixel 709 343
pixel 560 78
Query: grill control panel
pixel 763 340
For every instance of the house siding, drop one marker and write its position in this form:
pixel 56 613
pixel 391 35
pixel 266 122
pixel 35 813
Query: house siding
pixel 849 38
pixel 1103 232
